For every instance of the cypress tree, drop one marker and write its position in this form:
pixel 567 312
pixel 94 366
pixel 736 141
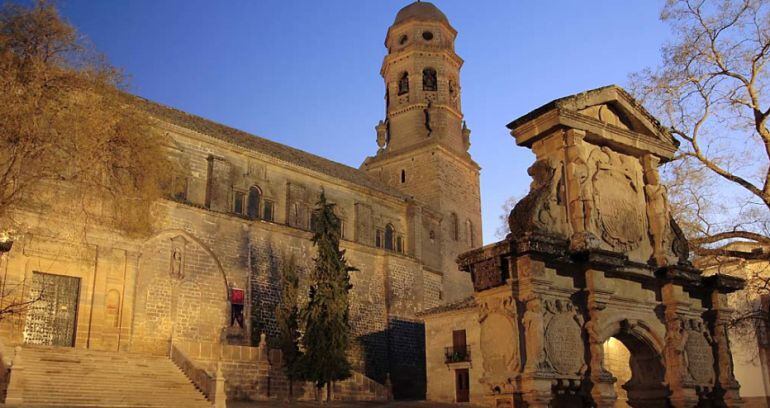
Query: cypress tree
pixel 327 328
pixel 287 317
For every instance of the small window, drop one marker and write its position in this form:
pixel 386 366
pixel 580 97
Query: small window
pixel 403 176
pixel 252 207
pixel 403 39
pixel 342 228
pixel 403 84
pixel 399 244
pixel 427 35
pixel 429 80
pixel 378 239
pixel 389 241
pixel 267 212
pixel 238 198
pixel 432 235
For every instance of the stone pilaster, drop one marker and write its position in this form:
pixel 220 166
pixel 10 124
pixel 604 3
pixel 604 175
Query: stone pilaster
pixel 727 387
pixel 683 395
pixel 602 382
pixel 537 375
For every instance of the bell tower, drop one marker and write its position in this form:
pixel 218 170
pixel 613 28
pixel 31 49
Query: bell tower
pixel 423 141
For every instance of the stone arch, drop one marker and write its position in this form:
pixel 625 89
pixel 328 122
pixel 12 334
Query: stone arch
pixel 253 201
pixel 177 232
pixel 429 79
pixel 646 387
pixel 390 233
pixel 639 328
pixel 181 293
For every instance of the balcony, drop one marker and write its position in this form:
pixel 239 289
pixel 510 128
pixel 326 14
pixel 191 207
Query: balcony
pixel 460 354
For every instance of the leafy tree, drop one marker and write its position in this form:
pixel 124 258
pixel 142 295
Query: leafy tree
pixel 327 328
pixel 287 315
pixel 70 138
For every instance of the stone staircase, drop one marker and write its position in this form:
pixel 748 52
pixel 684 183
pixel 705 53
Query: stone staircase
pixel 59 376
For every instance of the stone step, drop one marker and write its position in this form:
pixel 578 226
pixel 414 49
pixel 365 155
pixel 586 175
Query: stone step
pixel 72 377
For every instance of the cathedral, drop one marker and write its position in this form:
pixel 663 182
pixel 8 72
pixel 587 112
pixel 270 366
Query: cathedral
pixel 243 209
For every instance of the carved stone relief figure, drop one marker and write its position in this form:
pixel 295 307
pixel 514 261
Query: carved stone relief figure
pixel 176 267
pixel 466 137
pixel 541 210
pixel 427 112
pixel 596 348
pixel 454 93
pixel 657 211
pixel 676 339
pixel 580 193
pixel 534 335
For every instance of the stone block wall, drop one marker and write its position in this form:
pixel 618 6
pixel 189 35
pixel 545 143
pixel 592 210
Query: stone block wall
pixel 255 373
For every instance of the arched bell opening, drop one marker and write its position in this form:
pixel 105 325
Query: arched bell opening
pixel 639 372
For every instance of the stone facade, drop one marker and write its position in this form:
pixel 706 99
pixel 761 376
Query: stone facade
pixel 593 254
pixel 243 207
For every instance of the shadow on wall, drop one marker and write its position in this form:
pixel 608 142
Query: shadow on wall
pixel 265 293
pixel 407 358
pixel 399 351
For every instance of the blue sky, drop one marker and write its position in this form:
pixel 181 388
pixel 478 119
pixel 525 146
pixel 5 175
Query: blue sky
pixel 306 73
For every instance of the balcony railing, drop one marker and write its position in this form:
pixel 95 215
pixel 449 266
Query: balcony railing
pixel 457 354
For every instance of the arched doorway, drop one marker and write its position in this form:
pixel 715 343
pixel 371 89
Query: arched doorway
pixel 639 371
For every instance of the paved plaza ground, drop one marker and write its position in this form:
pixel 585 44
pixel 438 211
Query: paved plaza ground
pixel 393 404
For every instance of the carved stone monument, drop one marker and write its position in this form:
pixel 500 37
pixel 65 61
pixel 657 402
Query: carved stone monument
pixel 593 254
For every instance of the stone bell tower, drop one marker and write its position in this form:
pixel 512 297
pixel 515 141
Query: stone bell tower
pixel 423 142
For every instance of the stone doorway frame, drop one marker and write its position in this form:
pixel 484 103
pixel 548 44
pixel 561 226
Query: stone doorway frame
pixel 646 388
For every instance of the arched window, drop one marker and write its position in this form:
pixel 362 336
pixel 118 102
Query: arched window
pixel 403 176
pixel 403 84
pixel 455 225
pixel 252 207
pixel 389 232
pixel 470 237
pixel 429 81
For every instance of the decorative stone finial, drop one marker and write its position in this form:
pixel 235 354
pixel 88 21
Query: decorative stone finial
pixel 466 136
pixel 382 135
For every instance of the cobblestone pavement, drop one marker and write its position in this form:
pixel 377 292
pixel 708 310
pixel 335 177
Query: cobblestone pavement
pixel 394 404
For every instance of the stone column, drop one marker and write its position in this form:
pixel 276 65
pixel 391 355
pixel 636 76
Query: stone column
pixel 682 394
pixel 727 387
pixel 602 382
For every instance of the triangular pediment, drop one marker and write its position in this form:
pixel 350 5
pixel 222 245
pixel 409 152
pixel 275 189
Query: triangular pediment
pixel 608 113
pixel 613 106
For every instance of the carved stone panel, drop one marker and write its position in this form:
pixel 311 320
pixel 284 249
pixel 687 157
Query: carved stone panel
pixel 487 274
pixel 700 358
pixel 564 344
pixel 618 201
pixel 499 340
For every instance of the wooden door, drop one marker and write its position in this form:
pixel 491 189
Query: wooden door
pixel 462 385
